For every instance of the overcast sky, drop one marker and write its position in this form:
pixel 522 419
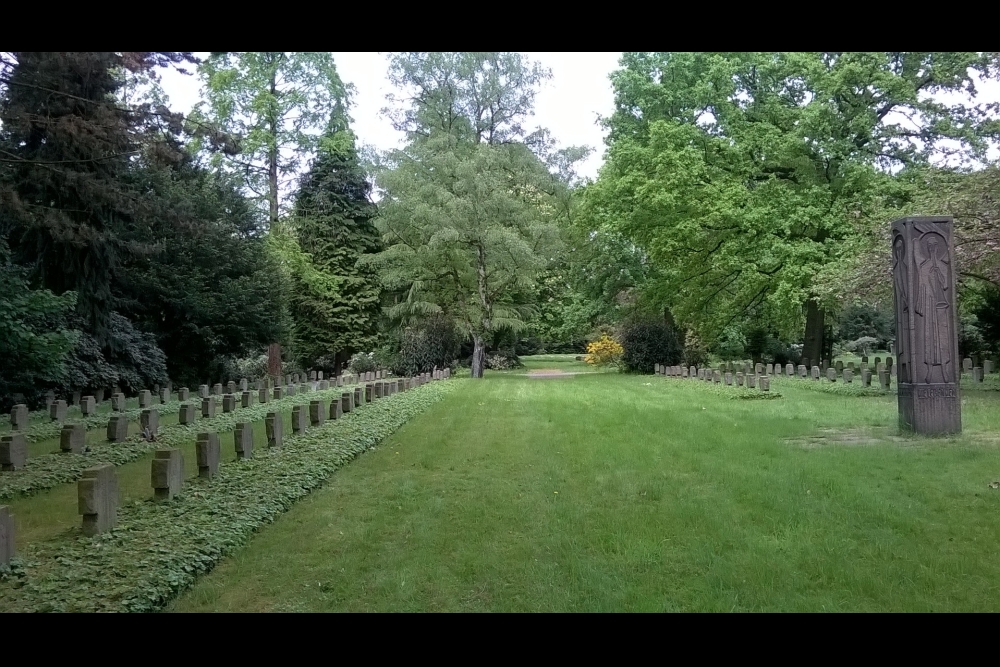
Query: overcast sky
pixel 568 105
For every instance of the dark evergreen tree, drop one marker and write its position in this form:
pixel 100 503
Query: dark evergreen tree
pixel 338 316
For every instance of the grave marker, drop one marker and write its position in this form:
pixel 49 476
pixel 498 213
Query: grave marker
pixel 57 410
pixel 208 407
pixel 19 417
pixel 203 391
pixel 208 452
pixel 117 428
pixel 188 414
pixel 164 396
pixel 977 374
pixel 300 419
pixel 145 399
pixel 347 401
pixel 167 473
pixel 274 428
pixel 97 499
pixel 739 379
pixel 13 451
pixel 815 372
pixel 243 439
pixel 228 403
pixel 765 383
pixel 6 536
pixel 317 413
pixel 278 393
pixel 88 406
pixel 848 375
pixel 118 402
pixel 149 419
pixel 831 374
pixel 246 399
pixel 73 438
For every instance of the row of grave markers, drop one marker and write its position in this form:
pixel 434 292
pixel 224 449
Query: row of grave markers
pixel 97 490
pixel 762 373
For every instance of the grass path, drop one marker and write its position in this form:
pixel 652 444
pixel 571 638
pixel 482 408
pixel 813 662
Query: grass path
pixel 604 492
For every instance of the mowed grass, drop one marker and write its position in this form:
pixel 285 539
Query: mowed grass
pixel 606 492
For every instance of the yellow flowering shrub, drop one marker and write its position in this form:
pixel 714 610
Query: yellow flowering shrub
pixel 604 351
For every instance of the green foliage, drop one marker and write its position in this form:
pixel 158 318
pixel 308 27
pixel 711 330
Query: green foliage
pixel 334 303
pixel 160 547
pixel 859 321
pixel 988 319
pixel 647 343
pixel 362 362
pixel 746 176
pixel 435 342
pixel 34 338
pixel 841 388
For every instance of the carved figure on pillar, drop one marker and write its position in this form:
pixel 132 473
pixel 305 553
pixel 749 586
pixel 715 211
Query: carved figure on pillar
pixel 926 326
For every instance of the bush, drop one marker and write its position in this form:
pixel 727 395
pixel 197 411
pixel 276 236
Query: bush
pixel 435 343
pixel 362 362
pixel 647 343
pixel 695 353
pixel 502 360
pixel 604 352
pixel 862 346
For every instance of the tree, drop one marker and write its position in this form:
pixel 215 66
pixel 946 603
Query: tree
pixel 335 303
pixel 469 209
pixel 275 105
pixel 66 151
pixel 745 175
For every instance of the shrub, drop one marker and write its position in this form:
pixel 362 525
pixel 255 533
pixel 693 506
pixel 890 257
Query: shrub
pixel 694 353
pixel 362 362
pixel 604 352
pixel 862 346
pixel 647 343
pixel 434 343
pixel 502 361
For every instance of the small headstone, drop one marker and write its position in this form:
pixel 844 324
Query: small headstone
pixel 19 417
pixel 878 360
pixel 263 395
pixel 848 375
pixel 117 428
pixel 167 473
pixel 803 371
pixel 288 380
pixel 815 372
pixel 884 379
pixel 118 402
pixel 230 387
pixel 217 389
pixel 319 375
pixel 966 364
pixel 88 405
pixel 50 397
pixel 987 367
pixel 13 451
pixel 57 410
pixel 347 401
pixel 758 369
pixel 369 393
pixel 317 413
pixel 823 366
pixel 739 379
pixel 228 403
pixel 243 439
pixel 716 377
pixel 203 391
pixel 208 453
pixel 290 390
pixel 324 385
pixel 866 377
pixel 97 499
pixel 831 374
pixel 864 359
pixel 790 369
pixel 336 408
pixel 6 536
pixel 75 398
pixel 99 396
pixel 769 368
pixel 149 422
pixel 208 407
pixel 729 379
pixel 274 428
pixel 839 366
pixel 164 396
pixel 299 418
pixel 188 414
pixel 340 380
pixel 279 393
pixel 73 438
pixel 751 381
pixel 246 399
pixel 765 383
pixel 850 364
pixel 243 384
pixel 312 376
pixel 977 374
pixel 182 394
pixel 145 399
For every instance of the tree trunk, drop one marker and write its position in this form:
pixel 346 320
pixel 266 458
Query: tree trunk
pixel 274 360
pixel 478 356
pixel 813 348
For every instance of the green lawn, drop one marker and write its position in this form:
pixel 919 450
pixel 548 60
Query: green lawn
pixel 607 492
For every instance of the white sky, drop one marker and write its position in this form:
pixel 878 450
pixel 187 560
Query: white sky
pixel 568 105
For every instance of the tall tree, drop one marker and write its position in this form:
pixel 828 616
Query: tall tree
pixel 276 105
pixel 744 175
pixel 469 211
pixel 335 303
pixel 66 150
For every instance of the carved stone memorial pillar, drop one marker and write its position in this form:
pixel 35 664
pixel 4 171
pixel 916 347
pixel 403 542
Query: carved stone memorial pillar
pixel 926 325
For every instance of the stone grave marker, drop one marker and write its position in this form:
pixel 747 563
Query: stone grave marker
pixel 73 438
pixel 279 393
pixel 848 375
pixel 290 390
pixel 739 378
pixel 145 399
pixel 19 417
pixel 99 396
pixel 230 387
pixel 347 401
pixel 188 414
pixel 88 405
pixel 850 364
pixel 6 536
pixel 369 393
pixel 203 391
pixel 883 379
pixel 299 419
pixel 340 380
pixel 831 374
pixel 716 377
pixel 263 395
pixel 987 367
pixel 117 428
pixel 274 428
pixel 228 403
pixel 149 419
pixel 317 413
pixel 97 499
pixel 217 389
pixel 336 408
pixel 790 370
pixel 208 407
pixel 312 376
pixel 13 451
pixel 246 399
pixel 359 395
pixel 864 359
pixel 866 377
pixel 50 397
pixel 977 374
pixel 765 382
pixel 324 385
pixel 769 369
pixel 815 372
pixel 758 369
pixel 803 371
pixel 751 381
pixel 729 378
pixel 967 364
pixel 840 367
pixel 208 452
pixel 118 402
pixel 243 439
pixel 164 396
pixel 243 384
pixel 57 410
pixel 182 394
pixel 319 375
pixel 75 398
pixel 167 473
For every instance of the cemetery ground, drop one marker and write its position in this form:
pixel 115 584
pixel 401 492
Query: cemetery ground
pixel 607 492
